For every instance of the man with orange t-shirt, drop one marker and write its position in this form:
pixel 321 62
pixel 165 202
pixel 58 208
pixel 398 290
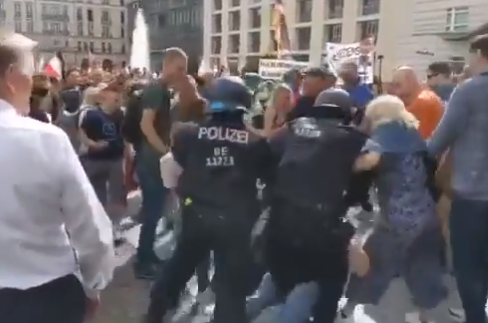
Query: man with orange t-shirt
pixel 424 104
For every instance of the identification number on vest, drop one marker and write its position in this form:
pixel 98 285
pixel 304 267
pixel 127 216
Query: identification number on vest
pixel 220 158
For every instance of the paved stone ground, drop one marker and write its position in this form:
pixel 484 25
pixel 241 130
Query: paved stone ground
pixel 126 298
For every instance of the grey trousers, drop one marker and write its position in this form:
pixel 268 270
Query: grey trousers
pixel 107 178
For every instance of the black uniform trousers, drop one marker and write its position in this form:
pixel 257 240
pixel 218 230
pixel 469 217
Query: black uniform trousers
pixel 62 300
pixel 228 235
pixel 300 247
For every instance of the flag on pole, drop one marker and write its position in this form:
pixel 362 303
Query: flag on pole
pixel 40 63
pixel 54 68
pixel 280 27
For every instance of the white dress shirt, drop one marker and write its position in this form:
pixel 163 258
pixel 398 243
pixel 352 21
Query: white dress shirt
pixel 51 222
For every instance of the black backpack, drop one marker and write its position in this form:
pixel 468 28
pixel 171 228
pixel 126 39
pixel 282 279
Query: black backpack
pixel 131 123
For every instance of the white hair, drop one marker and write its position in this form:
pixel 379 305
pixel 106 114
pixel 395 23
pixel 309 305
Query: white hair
pixel 388 108
pixel 280 88
pixel 90 95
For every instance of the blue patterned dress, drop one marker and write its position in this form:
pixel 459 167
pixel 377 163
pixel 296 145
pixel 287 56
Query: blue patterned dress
pixel 406 239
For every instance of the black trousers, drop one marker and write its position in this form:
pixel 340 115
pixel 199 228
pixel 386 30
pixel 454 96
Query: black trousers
pixel 59 301
pixel 228 235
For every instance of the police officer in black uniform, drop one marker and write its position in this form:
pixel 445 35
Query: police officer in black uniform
pixel 307 237
pixel 221 162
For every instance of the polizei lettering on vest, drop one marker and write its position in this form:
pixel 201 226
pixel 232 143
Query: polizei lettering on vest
pixel 224 134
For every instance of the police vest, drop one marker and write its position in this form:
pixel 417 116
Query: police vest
pixel 219 166
pixel 317 162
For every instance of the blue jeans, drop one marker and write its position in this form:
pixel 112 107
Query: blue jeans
pixel 297 307
pixel 468 225
pixel 154 195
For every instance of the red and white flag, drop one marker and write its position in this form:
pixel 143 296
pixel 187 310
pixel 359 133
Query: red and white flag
pixel 54 68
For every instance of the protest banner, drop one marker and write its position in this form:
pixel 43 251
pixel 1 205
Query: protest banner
pixel 275 68
pixel 359 53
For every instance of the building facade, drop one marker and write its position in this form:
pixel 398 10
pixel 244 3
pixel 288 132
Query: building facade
pixel 441 31
pixel 174 23
pixel 74 27
pixel 408 32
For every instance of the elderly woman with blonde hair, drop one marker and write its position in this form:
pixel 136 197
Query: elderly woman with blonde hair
pixel 406 238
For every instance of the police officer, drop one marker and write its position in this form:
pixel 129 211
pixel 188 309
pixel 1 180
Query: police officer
pixel 221 162
pixel 307 237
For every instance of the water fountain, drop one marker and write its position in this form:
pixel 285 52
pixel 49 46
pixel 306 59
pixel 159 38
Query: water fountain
pixel 139 58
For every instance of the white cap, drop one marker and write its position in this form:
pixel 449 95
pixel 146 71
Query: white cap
pixel 16 40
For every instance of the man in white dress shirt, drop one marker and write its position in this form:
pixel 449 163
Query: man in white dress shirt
pixel 56 250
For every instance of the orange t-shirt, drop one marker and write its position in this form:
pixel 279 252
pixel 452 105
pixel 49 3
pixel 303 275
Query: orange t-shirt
pixel 428 109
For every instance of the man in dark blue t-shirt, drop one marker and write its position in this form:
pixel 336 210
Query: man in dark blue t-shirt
pixel 104 153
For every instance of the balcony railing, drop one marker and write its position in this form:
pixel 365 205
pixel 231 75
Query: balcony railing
pixel 370 9
pixel 336 12
pixel 56 32
pixel 56 17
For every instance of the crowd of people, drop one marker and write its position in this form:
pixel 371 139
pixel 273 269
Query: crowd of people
pixel 74 147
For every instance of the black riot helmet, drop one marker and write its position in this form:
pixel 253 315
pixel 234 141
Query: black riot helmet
pixel 228 94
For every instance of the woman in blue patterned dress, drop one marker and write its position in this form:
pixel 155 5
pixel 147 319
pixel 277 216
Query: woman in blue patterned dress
pixel 406 239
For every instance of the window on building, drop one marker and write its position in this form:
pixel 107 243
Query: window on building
pixel 254 42
pixel 106 31
pixel 235 3
pixel 30 26
pixel 18 9
pixel 89 14
pixel 235 20
pixel 65 10
pixel 45 26
pixel 79 29
pixel 79 14
pixel 105 18
pixel 217 23
pixel 56 27
pixel 333 33
pixel 234 44
pixel 122 32
pixel 109 48
pixel 122 49
pixel 104 49
pixel 106 2
pixel 80 46
pixel 457 19
pixel 85 46
pixel 29 10
pixel 161 20
pixel 368 28
pixel 92 47
pixel 303 38
pixel 216 44
pixel 304 11
pixel 255 18
pixel 217 4
pixel 370 7
pixel 18 26
pixel 122 17
pixel 90 28
pixel 336 9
